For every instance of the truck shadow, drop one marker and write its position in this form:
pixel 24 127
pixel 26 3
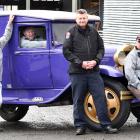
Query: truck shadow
pixel 64 126
pixel 35 126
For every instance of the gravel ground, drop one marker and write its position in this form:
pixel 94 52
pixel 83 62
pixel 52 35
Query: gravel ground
pixel 53 123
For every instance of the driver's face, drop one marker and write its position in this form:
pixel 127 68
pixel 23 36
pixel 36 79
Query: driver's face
pixel 29 34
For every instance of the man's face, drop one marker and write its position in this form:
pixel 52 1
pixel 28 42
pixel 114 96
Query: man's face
pixel 138 44
pixel 29 34
pixel 82 20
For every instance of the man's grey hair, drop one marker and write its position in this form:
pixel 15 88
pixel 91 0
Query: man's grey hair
pixel 81 11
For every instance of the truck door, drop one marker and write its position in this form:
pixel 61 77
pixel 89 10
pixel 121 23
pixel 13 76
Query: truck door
pixel 30 64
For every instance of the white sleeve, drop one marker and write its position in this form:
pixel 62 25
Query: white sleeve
pixel 129 68
pixel 6 36
pixel 32 44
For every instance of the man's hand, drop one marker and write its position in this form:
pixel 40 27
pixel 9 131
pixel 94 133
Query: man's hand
pixel 84 64
pixel 89 64
pixel 11 18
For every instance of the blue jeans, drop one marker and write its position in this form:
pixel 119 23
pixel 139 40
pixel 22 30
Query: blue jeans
pixel 81 84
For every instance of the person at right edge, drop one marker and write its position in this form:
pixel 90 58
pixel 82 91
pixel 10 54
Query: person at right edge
pixel 84 49
pixel 132 69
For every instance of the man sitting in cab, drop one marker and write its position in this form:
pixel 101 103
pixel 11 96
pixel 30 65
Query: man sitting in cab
pixel 31 40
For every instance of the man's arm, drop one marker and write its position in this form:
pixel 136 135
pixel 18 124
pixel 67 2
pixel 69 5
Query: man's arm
pixel 129 68
pixel 32 44
pixel 67 50
pixel 8 32
pixel 101 49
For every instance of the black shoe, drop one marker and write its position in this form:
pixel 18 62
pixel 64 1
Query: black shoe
pixel 110 130
pixel 80 131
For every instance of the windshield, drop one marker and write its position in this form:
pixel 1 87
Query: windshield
pixel 59 31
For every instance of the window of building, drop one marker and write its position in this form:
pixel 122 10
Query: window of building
pixel 46 4
pixel 13 4
pixel 32 37
pixel 93 7
pixel 1 7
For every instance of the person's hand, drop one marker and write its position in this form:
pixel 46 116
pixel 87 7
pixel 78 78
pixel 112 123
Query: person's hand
pixel 11 18
pixel 89 64
pixel 84 64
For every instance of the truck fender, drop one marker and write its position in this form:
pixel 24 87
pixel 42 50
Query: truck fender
pixel 110 71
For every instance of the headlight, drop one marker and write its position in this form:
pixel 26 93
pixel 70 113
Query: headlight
pixel 120 58
pixel 120 55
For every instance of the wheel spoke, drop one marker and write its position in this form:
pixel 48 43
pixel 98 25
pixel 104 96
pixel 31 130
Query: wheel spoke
pixel 90 110
pixel 90 100
pixel 112 103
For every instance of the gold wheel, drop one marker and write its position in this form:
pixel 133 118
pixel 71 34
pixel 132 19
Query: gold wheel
pixel 113 104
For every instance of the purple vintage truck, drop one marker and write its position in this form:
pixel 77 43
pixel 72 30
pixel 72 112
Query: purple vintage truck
pixel 38 75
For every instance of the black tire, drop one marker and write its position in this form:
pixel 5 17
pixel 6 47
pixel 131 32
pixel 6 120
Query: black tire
pixel 119 112
pixel 135 109
pixel 13 113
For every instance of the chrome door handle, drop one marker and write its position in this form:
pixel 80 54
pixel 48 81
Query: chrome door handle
pixel 17 52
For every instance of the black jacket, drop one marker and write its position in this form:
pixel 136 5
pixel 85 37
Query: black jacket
pixel 82 45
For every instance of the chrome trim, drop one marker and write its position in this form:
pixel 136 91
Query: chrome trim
pixel 126 95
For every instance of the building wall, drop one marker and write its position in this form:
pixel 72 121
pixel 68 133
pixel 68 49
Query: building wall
pixel 121 22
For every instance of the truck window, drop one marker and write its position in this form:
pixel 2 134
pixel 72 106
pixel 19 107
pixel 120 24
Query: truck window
pixel 59 31
pixel 32 37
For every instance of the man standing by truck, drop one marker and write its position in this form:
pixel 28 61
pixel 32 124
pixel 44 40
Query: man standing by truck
pixel 84 49
pixel 3 41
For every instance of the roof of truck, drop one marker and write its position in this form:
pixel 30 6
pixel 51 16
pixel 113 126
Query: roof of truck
pixel 47 14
